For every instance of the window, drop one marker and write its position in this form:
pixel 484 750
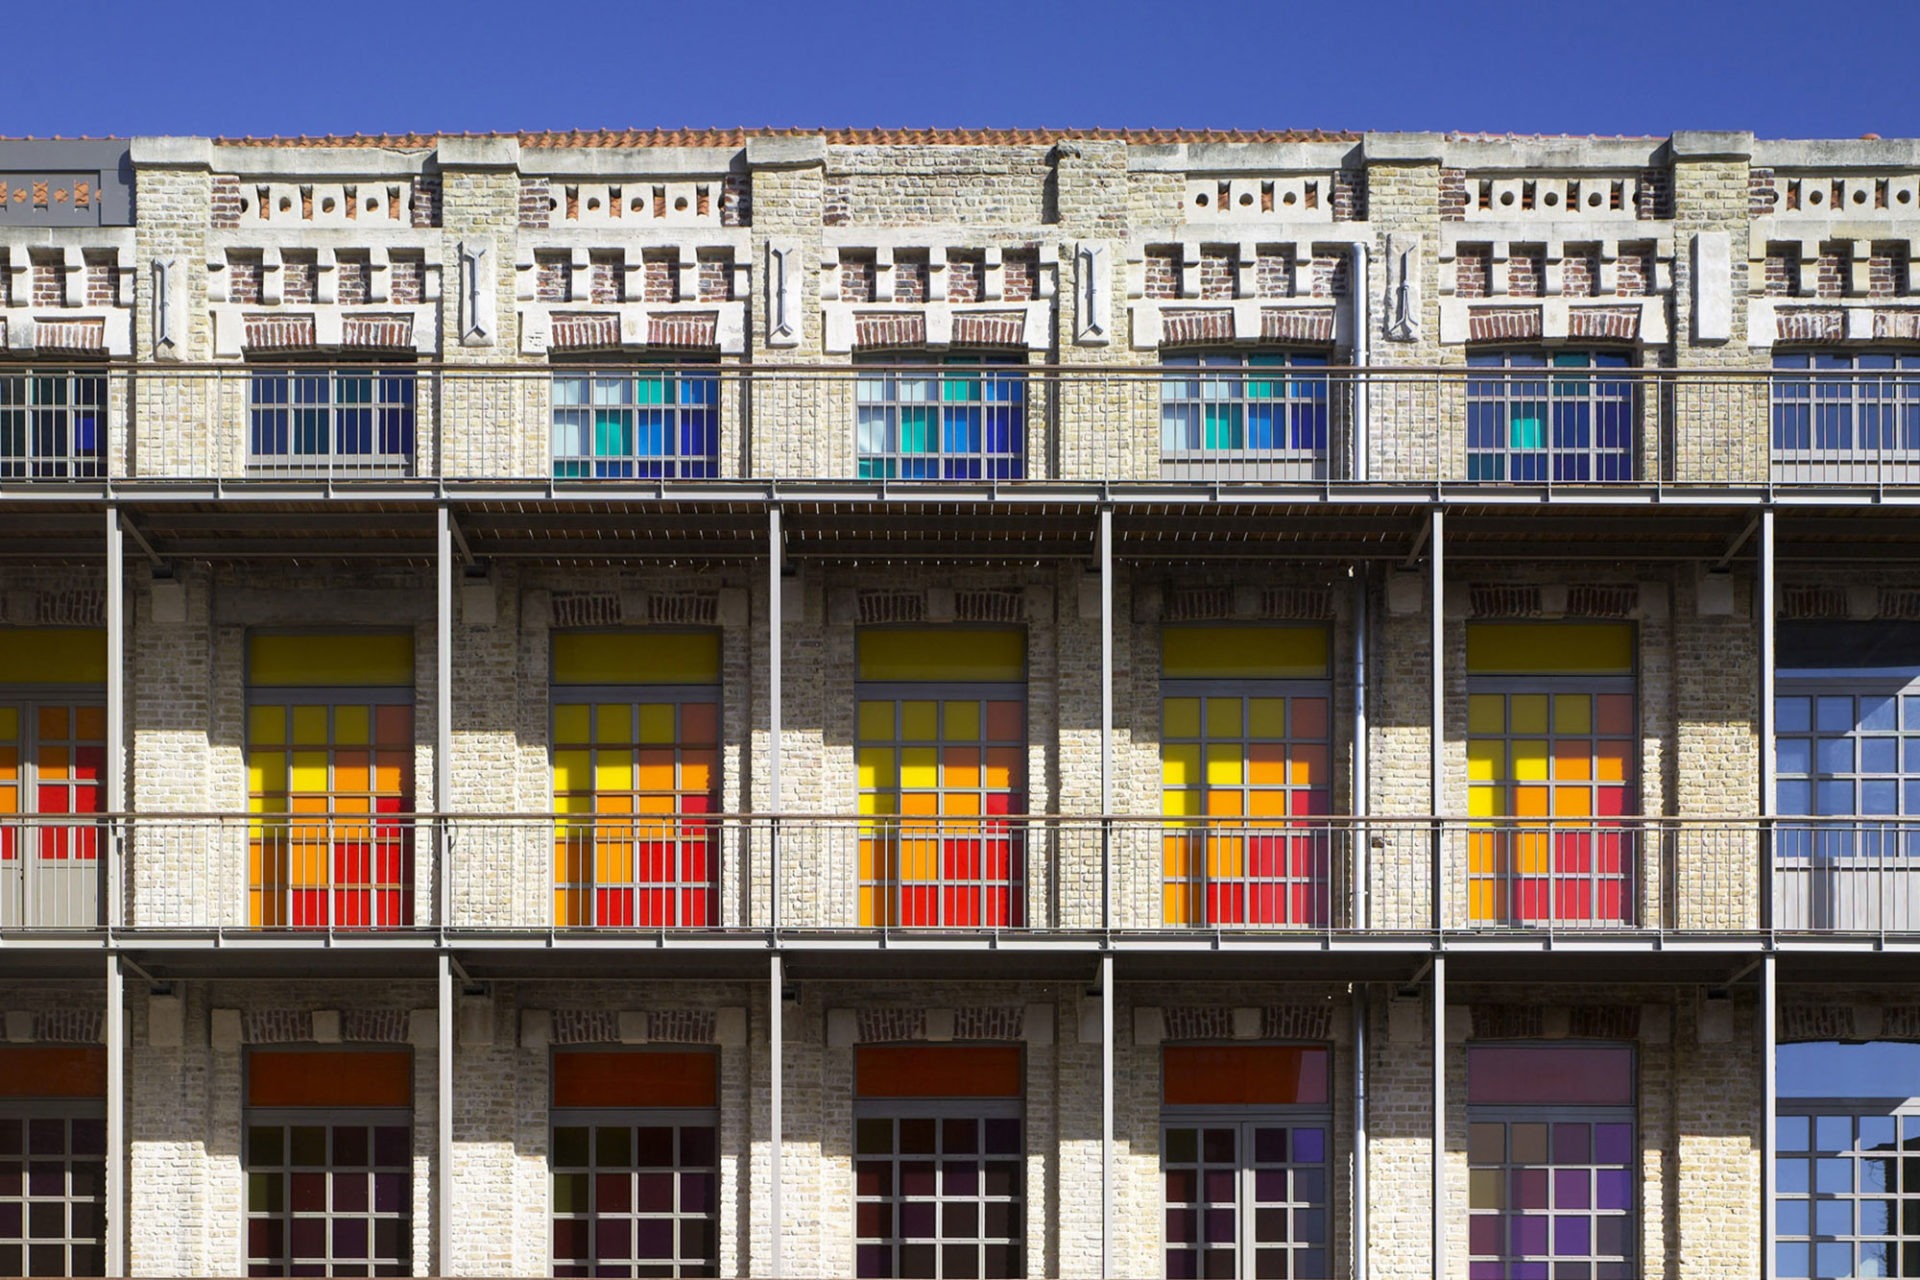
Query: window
pixel 941 754
pixel 636 746
pixel 1842 416
pixel 330 420
pixel 53 730
pixel 1846 1183
pixel 53 425
pixel 330 781
pixel 939 1169
pixel 1528 426
pixel 963 419
pixel 53 1149
pixel 329 1162
pixel 635 1163
pixel 1551 1162
pixel 1258 416
pixel 1847 776
pixel 1244 1160
pixel 1551 742
pixel 636 424
pixel 1245 775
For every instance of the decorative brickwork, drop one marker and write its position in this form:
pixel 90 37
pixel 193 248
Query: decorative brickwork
pixel 1811 324
pixel 684 609
pixel 892 606
pixel 1504 325
pixel 276 1026
pixel 1604 1022
pixel 879 1026
pixel 70 1026
pixel 1312 327
pixel 1800 1021
pixel 989 1022
pixel 989 331
pixel 375 1026
pixel 890 332
pixel 82 608
pixel 990 606
pixel 1605 324
pixel 1812 601
pixel 693 332
pixel 584 331
pixel 1197 1022
pixel 1508 1021
pixel 1297 1022
pixel 586 609
pixel 681 1026
pixel 1187 328
pixel 280 333
pixel 586 1026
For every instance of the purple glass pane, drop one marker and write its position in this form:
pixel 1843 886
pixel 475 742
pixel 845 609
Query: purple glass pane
pixel 1529 1271
pixel 1529 1189
pixel 349 1145
pixel 1572 1144
pixel 653 1192
pixel 1270 1146
pixel 1584 1076
pixel 1309 1146
pixel 1612 1143
pixel 960 1136
pixel 391 1145
pixel 1003 1137
pixel 89 1137
pixel 1571 1237
pixel 389 1192
pixel 47 1137
pixel 1220 1226
pixel 1610 1189
pixel 9 1219
pixel 1486 1271
pixel 1182 1264
pixel 1528 1235
pixel 308 1237
pixel 960 1177
pixel 916 1220
pixel 653 1238
pixel 872 1261
pixel 349 1193
pixel 1219 1186
pixel 1483 1234
pixel 349 1238
pixel 1570 1188
pixel 696 1192
pixel 697 1145
pixel 1270 1185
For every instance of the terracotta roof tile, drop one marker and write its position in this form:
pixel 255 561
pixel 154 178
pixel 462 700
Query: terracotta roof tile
pixel 834 137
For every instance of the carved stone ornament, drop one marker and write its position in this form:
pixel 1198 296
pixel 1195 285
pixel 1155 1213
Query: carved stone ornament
pixel 1402 309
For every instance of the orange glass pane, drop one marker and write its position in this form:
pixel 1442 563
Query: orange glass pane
pixel 1612 762
pixel 1613 714
pixel 1572 759
pixel 1006 721
pixel 1309 717
pixel 1267 764
pixel 636 1078
pixel 699 724
pixel 943 1071
pixel 53 722
pixel 50 1071
pixel 330 1078
pixel 90 724
pixel 1242 1075
pixel 393 726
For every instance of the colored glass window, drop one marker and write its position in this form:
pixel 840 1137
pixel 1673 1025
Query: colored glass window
pixel 1551 1175
pixel 53 425
pixel 53 1146
pixel 316 419
pixel 962 419
pixel 1245 1195
pixel 52 787
pixel 635 1183
pixel 636 424
pixel 1834 407
pixel 330 783
pixel 941 758
pixel 328 1153
pixel 1534 418
pixel 1243 1075
pixel 939 1183
pixel 1552 783
pixel 1270 408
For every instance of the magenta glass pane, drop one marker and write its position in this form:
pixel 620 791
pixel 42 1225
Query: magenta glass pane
pixel 1270 1185
pixel 1219 1186
pixel 1612 1143
pixel 1571 1236
pixel 1182 1264
pixel 1529 1189
pixel 960 1177
pixel 653 1238
pixel 872 1261
pixel 696 1192
pixel 1483 1233
pixel 1555 1075
pixel 1569 1188
pixel 350 1238
pixel 1610 1189
pixel 1220 1225
pixel 1572 1144
pixel 1486 1271
pixel 653 1194
pixel 916 1219
pixel 1529 1234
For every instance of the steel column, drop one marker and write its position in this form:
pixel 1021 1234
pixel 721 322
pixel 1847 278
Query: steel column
pixel 1106 717
pixel 775 728
pixel 1359 1228
pixel 1106 1115
pixel 1437 678
pixel 1360 799
pixel 776 1126
pixel 1440 1115
pixel 119 1211
pixel 1769 1140
pixel 443 1209
pixel 1768 789
pixel 443 720
pixel 114 887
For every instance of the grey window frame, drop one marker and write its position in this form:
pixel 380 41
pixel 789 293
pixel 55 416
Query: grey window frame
pixel 333 459
pixel 69 1110
pixel 327 1118
pixel 31 422
pixel 22 893
pixel 1905 1115
pixel 978 1110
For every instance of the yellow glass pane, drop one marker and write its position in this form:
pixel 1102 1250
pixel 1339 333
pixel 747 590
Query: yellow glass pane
pixel 941 653
pixel 1572 713
pixel 876 721
pixel 1223 764
pixel 309 726
pixel 361 658
pixel 876 768
pixel 656 723
pixel 572 770
pixel 1564 648
pixel 636 657
pixel 1243 652
pixel 266 771
pixel 962 721
pixel 53 655
pixel 572 723
pixel 613 771
pixel 9 722
pixel 309 772
pixel 880 803
pixel 1529 759
pixel 1485 802
pixel 1180 718
pixel 1486 713
pixel 613 723
pixel 1179 764
pixel 1223 718
pixel 1266 717
pixel 919 722
pixel 1528 713
pixel 1486 760
pixel 1184 803
pixel 266 726
pixel 575 803
pixel 920 767
pixel 352 726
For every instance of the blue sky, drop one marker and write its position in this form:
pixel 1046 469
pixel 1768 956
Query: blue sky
pixel 1548 66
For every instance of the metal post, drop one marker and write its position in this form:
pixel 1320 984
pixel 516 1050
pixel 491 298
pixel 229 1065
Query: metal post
pixel 1360 803
pixel 1106 1115
pixel 1440 1118
pixel 775 801
pixel 115 886
pixel 119 1212
pixel 1106 717
pixel 443 723
pixel 1359 1132
pixel 1362 357
pixel 443 1124
pixel 1437 678
pixel 1769 1140
pixel 776 1119
pixel 1768 790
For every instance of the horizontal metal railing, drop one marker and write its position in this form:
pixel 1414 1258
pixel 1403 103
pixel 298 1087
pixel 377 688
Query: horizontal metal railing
pixel 574 874
pixel 906 423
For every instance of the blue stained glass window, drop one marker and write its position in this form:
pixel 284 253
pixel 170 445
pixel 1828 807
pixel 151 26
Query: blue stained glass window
pixel 1231 406
pixel 961 419
pixel 636 424
pixel 359 420
pixel 1530 420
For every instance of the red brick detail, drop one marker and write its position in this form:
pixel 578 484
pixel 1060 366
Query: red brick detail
pixel 1580 271
pixel 1634 271
pixel 1902 325
pixel 988 330
pixel 386 333
pixel 426 200
pixel 585 331
pixel 659 280
pixel 966 273
pixel 1887 269
pixel 536 202
pixel 406 281
pixel 1020 275
pixel 1472 270
pixel 1330 273
pixel 1163 273
pixel 1453 195
pixel 551 275
pixel 1812 601
pixel 1654 200
pixel 1487 324
pixel 697 330
pixel 736 200
pixel 279 333
pixel 1782 270
pixel 49 284
pixel 716 279
pixel 910 280
pixel 243 278
pixel 857 278
pixel 71 335
pixel 890 331
pixel 1760 193
pixel 1831 280
pixel 1183 328
pixel 1619 324
pixel 226 202
pixel 1350 195
pixel 296 279
pixel 605 277
pixel 351 275
pixel 1502 600
pixel 1273 273
pixel 1279 324
pixel 1602 600
pixel 1809 324
pixel 103 280
pixel 1216 274
pixel 1526 273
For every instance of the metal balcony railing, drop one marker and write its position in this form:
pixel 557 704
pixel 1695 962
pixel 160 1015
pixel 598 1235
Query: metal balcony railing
pixel 1296 424
pixel 799 875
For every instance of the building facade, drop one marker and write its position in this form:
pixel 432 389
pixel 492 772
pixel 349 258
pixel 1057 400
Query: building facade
pixel 960 704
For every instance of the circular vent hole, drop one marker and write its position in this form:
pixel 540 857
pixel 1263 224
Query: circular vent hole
pixel 634 204
pixel 1290 197
pixel 1859 197
pixel 326 206
pixel 1246 198
pixel 1550 199
pixel 1506 197
pixel 285 204
pixel 594 203
pixel 552 204
pixel 1201 199
pixel 1904 197
pixel 373 202
pixel 1593 200
pixel 248 204
pixel 680 205
pixel 1815 197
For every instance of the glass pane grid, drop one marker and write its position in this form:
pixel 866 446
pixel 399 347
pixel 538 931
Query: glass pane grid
pixel 329 1198
pixel 1245 1199
pixel 646 424
pixel 1847 1193
pixel 1548 425
pixel 963 420
pixel 1243 407
pixel 939 1197
pixel 635 1199
pixel 52 761
pixel 322 421
pixel 52 1194
pixel 635 781
pixel 1550 1199
pixel 1252 776
pixel 52 426
pixel 1844 408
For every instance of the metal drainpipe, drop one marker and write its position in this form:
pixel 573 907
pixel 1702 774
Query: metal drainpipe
pixel 1359 1228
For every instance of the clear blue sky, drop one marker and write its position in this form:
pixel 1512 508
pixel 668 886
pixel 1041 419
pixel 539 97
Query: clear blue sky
pixel 1544 66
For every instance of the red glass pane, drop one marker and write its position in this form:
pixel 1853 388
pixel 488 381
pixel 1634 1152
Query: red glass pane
pixel 1587 1075
pixel 613 906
